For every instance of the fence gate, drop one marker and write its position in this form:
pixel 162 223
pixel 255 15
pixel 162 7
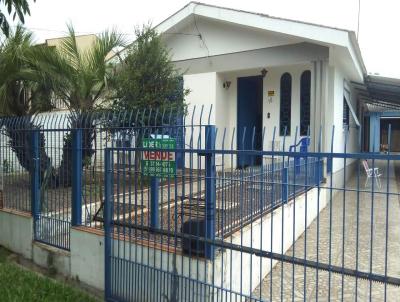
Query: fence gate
pixel 282 230
pixel 56 184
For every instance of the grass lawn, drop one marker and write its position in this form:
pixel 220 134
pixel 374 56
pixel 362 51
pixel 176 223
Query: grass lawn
pixel 18 284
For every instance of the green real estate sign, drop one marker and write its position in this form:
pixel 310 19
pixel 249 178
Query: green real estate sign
pixel 159 163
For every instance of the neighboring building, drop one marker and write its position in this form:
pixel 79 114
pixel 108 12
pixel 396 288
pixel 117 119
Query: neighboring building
pixel 380 99
pixel 84 42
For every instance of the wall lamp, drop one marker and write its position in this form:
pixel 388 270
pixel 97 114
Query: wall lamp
pixel 264 72
pixel 226 84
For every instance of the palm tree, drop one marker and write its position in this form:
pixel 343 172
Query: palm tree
pixel 24 91
pixel 16 8
pixel 79 79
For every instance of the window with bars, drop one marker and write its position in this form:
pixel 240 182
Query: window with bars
pixel 285 104
pixel 305 98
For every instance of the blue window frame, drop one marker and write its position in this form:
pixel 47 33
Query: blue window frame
pixel 285 104
pixel 305 102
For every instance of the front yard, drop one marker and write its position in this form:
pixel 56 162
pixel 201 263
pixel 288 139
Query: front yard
pixel 18 284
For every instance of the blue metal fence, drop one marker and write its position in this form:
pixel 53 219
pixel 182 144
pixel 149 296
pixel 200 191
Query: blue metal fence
pixel 295 223
pixel 262 233
pixel 52 164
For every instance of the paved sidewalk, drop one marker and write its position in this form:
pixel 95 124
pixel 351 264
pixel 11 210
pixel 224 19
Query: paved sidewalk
pixel 311 285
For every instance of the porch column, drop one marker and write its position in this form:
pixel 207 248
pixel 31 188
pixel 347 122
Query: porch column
pixel 319 104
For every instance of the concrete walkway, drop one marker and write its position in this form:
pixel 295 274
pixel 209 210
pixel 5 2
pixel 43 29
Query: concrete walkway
pixel 350 247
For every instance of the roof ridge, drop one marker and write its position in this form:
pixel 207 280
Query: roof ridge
pixel 269 16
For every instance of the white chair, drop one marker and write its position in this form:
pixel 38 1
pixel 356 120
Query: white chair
pixel 372 173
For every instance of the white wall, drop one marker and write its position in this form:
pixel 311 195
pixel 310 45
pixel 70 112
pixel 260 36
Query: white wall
pixel 201 111
pixel 226 105
pixel 341 142
pixel 54 140
pixel 258 58
pixel 191 46
pixel 207 90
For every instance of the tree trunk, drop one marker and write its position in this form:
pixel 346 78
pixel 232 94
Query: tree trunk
pixel 20 135
pixel 63 177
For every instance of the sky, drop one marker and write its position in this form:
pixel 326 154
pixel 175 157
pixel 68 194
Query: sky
pixel 379 37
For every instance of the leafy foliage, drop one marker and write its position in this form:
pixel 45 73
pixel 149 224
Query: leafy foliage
pixel 146 77
pixel 16 8
pixel 79 76
pixel 24 87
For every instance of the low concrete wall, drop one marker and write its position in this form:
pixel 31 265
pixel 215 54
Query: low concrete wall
pixel 244 272
pixel 146 273
pixel 16 232
pixel 57 260
pixel 166 272
pixel 87 256
pixel 85 261
pixel 173 275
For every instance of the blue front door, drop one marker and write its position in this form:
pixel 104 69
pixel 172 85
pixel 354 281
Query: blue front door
pixel 249 119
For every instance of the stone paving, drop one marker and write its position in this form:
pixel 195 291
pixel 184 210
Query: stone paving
pixel 346 250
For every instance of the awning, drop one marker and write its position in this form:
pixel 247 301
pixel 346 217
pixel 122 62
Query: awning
pixel 380 93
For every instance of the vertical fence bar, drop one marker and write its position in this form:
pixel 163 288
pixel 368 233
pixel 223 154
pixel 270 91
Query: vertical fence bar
pixel 321 169
pixel 329 163
pixel 108 175
pixel 35 177
pixel 154 202
pixel 76 215
pixel 316 170
pixel 285 184
pixel 210 190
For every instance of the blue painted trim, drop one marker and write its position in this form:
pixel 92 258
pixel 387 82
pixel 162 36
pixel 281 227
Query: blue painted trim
pixel 272 153
pixel 210 190
pixel 374 131
pixel 107 223
pixel 319 170
pixel 35 176
pixel 384 114
pixel 375 128
pixel 154 202
pixel 285 184
pixel 303 143
pixel 76 215
pixel 249 97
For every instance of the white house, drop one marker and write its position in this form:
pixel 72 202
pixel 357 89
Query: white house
pixel 262 72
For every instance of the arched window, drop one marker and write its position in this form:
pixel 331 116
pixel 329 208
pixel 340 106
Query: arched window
pixel 305 97
pixel 286 104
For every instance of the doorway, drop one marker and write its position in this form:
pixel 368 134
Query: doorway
pixel 249 119
pixel 395 134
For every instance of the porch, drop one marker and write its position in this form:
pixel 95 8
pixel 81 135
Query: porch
pixel 270 95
